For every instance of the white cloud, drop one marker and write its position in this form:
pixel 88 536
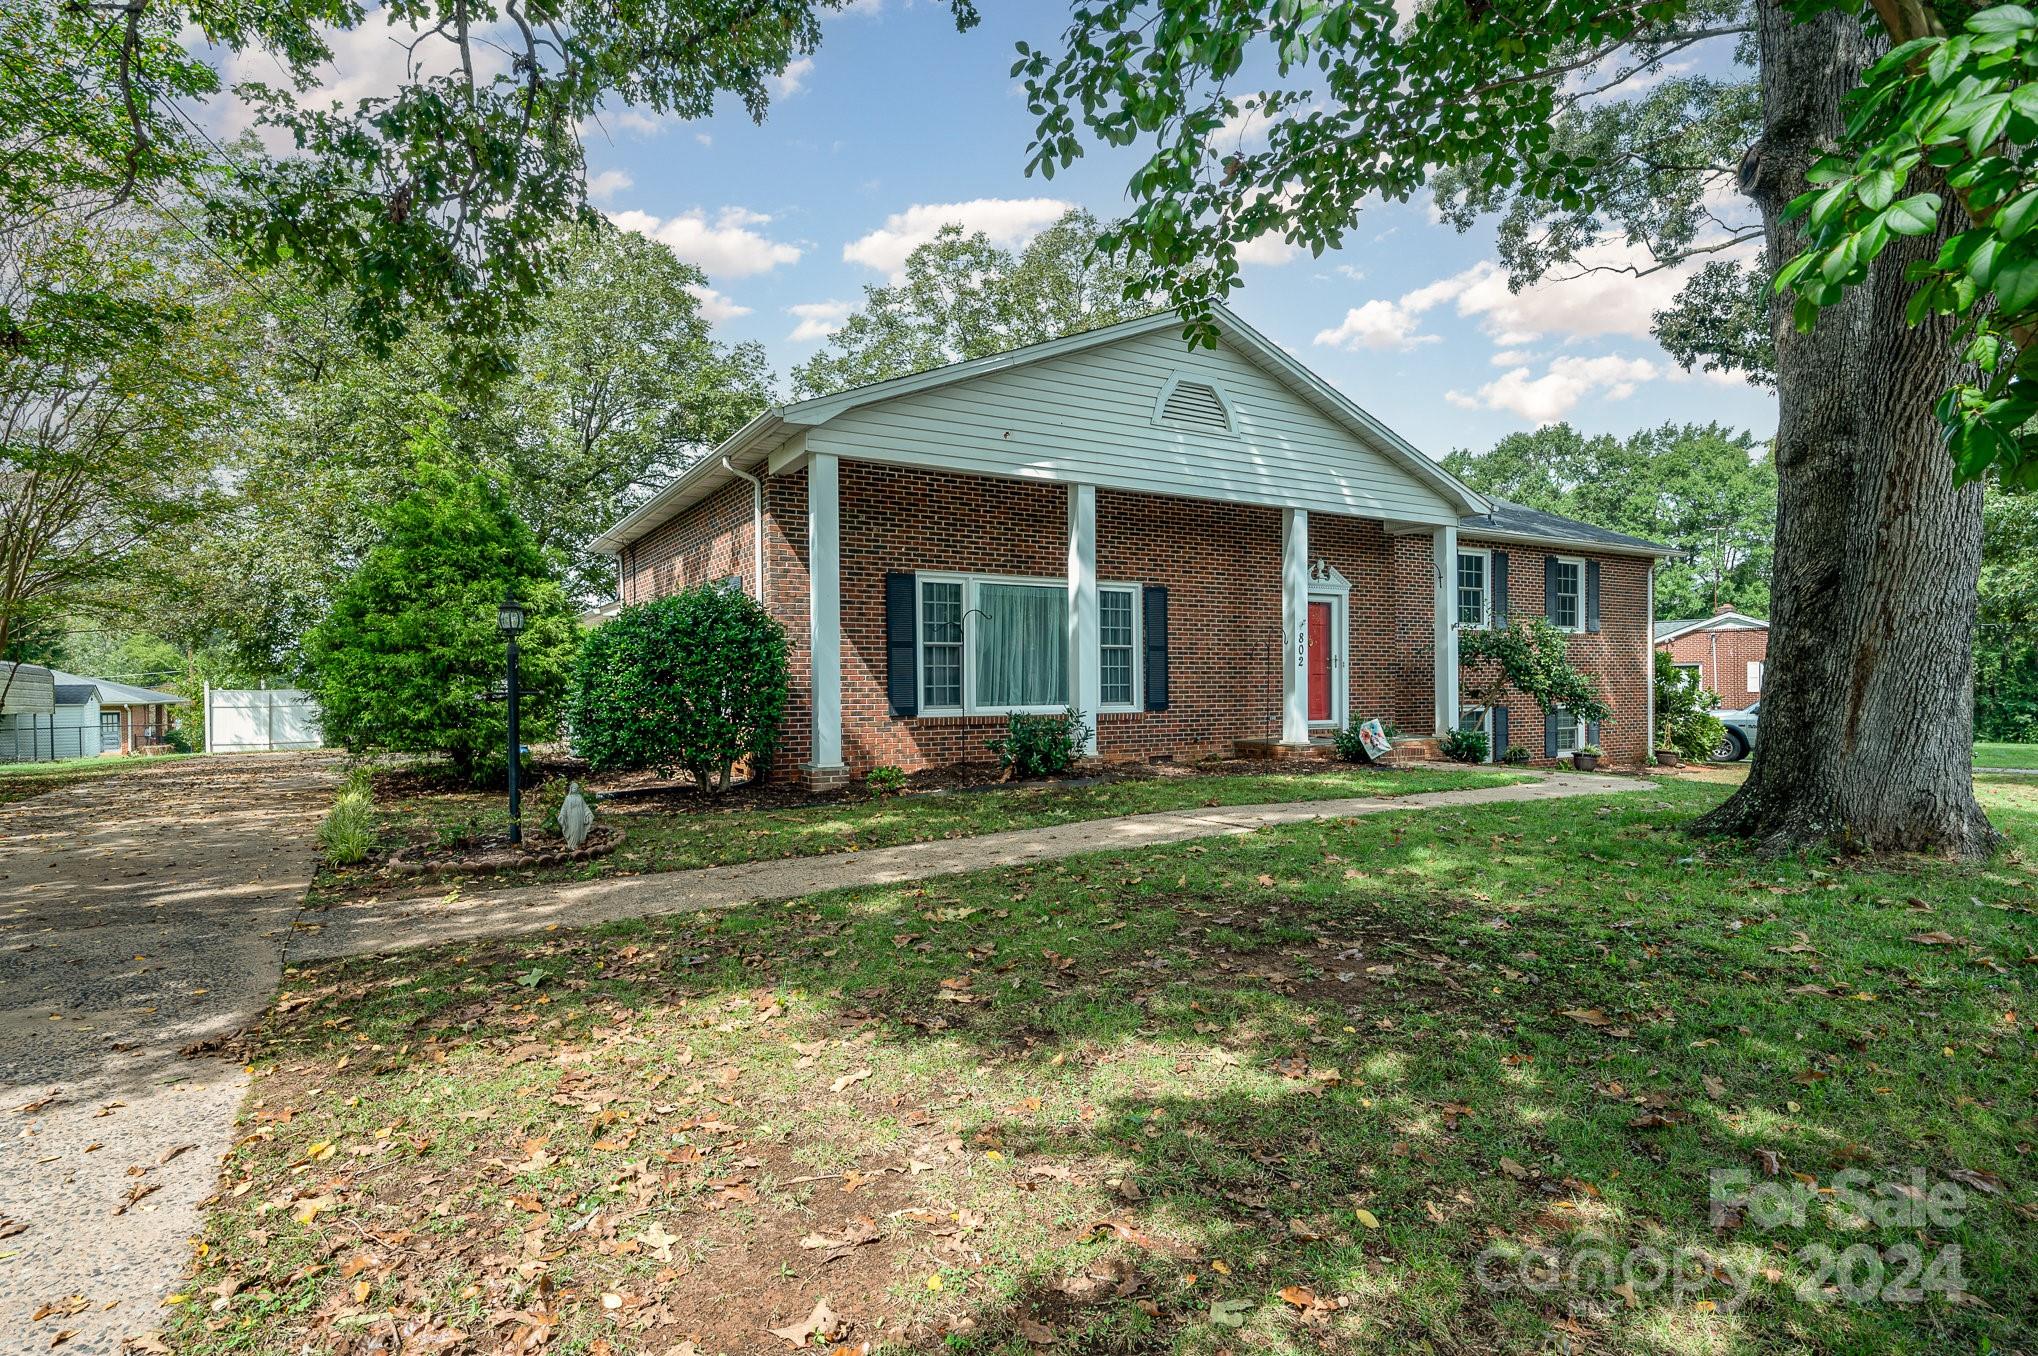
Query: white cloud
pixel 1566 381
pixel 1377 325
pixel 818 319
pixel 715 308
pixel 607 184
pixel 1270 251
pixel 1348 271
pixel 792 79
pixel 704 138
pixel 725 247
pixel 1007 221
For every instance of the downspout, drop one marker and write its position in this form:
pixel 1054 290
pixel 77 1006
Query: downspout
pixel 756 523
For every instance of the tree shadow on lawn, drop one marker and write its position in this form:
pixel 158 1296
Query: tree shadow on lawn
pixel 1331 1087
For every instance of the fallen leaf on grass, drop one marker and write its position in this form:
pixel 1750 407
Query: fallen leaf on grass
pixel 822 1323
pixel 1589 1016
pixel 855 1233
pixel 1230 1313
pixel 1936 939
pixel 1986 1182
pixel 848 1079
pixel 1515 1170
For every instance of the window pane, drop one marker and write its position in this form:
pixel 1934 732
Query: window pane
pixel 1568 738
pixel 1114 636
pixel 941 643
pixel 1020 645
pixel 1114 617
pixel 1471 589
pixel 1567 593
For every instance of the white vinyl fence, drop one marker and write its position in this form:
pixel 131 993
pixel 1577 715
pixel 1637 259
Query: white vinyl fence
pixel 260 720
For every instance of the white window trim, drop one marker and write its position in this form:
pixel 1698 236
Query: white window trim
pixel 1577 728
pixel 970 606
pixel 1754 677
pixel 1579 561
pixel 1485 621
pixel 1694 674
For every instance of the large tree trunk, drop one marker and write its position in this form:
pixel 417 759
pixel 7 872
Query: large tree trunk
pixel 1868 700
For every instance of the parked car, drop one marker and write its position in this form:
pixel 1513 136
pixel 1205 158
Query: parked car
pixel 1739 740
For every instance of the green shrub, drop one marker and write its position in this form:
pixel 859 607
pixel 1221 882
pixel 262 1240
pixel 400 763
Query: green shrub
pixel 1465 746
pixel 694 681
pixel 407 654
pixel 1516 754
pixel 348 831
pixel 177 739
pixel 1041 745
pixel 1682 721
pixel 885 781
pixel 1346 744
pixel 1591 751
pixel 1530 656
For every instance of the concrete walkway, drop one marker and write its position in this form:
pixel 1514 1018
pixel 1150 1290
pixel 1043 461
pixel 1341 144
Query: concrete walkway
pixel 139 913
pixel 363 928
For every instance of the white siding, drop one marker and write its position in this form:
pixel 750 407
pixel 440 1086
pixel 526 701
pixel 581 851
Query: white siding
pixel 1089 417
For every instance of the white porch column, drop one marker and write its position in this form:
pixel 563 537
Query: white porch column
pixel 1444 555
pixel 1294 627
pixel 1085 679
pixel 824 609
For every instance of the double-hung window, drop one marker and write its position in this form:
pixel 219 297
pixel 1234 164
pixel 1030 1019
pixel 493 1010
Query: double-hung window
pixel 1567 593
pixel 1117 631
pixel 941 643
pixel 1570 732
pixel 1475 589
pixel 990 645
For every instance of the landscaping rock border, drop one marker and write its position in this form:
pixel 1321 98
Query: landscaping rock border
pixel 605 838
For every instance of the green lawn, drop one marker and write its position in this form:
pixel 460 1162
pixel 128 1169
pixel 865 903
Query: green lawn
pixel 661 838
pixel 1296 1091
pixel 19 781
pixel 2006 755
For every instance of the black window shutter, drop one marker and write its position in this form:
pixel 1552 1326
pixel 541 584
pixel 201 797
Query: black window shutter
pixel 1592 733
pixel 1500 588
pixel 1592 595
pixel 1550 589
pixel 1549 734
pixel 1154 626
pixel 902 642
pixel 1499 749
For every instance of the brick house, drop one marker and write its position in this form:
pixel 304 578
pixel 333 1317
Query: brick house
pixel 1724 652
pixel 941 546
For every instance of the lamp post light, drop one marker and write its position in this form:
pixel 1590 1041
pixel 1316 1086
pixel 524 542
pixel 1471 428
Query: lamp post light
pixel 509 619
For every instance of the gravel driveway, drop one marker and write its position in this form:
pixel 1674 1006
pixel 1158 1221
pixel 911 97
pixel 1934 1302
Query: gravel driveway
pixel 139 914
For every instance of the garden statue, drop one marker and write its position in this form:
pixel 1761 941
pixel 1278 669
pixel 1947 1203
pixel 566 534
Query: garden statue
pixel 575 818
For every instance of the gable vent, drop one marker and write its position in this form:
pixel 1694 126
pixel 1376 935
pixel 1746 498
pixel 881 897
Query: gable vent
pixel 1196 404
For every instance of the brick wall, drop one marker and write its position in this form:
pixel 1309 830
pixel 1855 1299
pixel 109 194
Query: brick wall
pixel 1617 654
pixel 1723 658
pixel 711 540
pixel 1220 563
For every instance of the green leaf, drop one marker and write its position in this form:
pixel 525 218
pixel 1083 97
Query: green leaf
pixel 1915 215
pixel 2002 19
pixel 2016 284
pixel 2018 217
pixel 1876 188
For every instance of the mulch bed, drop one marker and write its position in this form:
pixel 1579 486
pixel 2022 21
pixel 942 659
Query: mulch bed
pixel 486 856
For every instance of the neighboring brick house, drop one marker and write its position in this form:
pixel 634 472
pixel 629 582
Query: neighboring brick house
pixel 1197 550
pixel 1724 652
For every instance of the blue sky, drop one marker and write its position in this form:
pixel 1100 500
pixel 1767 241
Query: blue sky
pixel 898 123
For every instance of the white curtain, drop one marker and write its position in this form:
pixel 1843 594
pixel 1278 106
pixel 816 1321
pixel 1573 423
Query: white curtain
pixel 1021 633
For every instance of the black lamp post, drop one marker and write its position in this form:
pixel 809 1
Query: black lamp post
pixel 509 619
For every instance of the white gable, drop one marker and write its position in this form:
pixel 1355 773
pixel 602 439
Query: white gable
pixel 1111 414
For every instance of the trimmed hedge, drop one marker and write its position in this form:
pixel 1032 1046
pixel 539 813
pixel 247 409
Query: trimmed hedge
pixel 695 682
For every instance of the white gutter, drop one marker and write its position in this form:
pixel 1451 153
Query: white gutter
pixel 756 522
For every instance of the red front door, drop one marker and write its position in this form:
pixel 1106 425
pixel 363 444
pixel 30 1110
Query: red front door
pixel 1319 661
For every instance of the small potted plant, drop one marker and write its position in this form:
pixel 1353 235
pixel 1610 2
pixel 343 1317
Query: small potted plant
pixel 1668 757
pixel 1586 758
